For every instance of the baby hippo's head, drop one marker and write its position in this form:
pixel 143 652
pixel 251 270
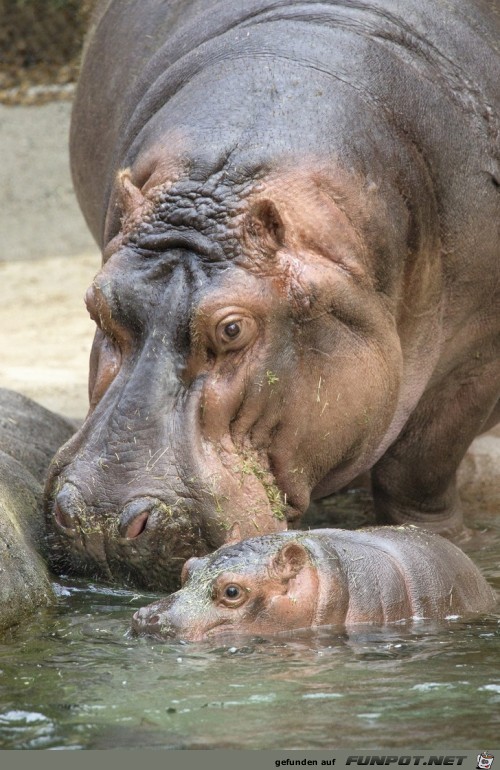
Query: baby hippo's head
pixel 258 586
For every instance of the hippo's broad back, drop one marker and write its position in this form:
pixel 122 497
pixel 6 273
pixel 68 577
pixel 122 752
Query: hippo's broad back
pixel 298 206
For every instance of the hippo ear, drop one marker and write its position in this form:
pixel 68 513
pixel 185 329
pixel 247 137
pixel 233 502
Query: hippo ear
pixel 289 561
pixel 265 227
pixel 186 569
pixel 130 196
pixel 234 534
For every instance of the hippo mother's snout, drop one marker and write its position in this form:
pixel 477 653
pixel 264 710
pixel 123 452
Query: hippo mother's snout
pixel 143 540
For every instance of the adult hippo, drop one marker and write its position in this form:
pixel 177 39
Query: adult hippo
pixel 29 437
pixel 291 580
pixel 298 207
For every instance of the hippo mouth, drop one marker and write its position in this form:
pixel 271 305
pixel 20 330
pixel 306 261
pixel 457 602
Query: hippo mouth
pixel 155 626
pixel 145 547
pixel 145 542
pixel 152 560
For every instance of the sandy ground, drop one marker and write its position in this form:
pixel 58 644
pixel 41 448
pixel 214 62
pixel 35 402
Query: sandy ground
pixel 45 331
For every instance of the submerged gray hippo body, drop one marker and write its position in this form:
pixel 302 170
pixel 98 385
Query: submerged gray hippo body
pixel 298 206
pixel 29 437
pixel 291 580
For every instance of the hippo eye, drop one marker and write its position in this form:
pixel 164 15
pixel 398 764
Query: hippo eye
pixel 234 332
pixel 233 595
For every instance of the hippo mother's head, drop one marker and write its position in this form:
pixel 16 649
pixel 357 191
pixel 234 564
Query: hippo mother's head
pixel 242 356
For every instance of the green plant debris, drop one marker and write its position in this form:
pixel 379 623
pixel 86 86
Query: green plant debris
pixel 250 466
pixel 271 377
pixel 275 501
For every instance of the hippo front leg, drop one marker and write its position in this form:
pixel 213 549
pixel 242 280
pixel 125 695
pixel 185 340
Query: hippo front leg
pixel 415 481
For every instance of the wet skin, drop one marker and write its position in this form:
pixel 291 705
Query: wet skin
pixel 277 583
pixel 300 272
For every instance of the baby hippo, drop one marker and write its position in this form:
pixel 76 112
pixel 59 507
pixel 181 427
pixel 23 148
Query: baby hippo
pixel 291 580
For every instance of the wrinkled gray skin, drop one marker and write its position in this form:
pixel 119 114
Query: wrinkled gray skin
pixel 291 580
pixel 29 437
pixel 298 207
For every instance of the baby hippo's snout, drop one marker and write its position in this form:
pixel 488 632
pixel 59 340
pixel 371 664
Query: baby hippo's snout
pixel 153 621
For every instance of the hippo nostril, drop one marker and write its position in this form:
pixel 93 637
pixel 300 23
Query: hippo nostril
pixel 137 526
pixel 66 506
pixel 143 622
pixel 134 518
pixel 62 517
pixel 137 621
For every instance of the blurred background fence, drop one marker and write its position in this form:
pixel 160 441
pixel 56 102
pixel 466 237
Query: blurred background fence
pixel 40 46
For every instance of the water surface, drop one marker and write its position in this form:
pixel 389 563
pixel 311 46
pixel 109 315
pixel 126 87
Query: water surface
pixel 73 677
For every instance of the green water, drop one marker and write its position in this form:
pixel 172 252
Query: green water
pixel 73 678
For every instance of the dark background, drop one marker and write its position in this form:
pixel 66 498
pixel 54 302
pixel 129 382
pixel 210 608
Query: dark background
pixel 40 44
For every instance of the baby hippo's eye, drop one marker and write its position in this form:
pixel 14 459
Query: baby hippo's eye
pixel 232 595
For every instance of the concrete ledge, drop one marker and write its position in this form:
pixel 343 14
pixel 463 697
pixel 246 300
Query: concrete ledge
pixel 39 215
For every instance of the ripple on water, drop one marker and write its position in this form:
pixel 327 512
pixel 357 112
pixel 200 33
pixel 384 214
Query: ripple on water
pixel 25 729
pixel 64 675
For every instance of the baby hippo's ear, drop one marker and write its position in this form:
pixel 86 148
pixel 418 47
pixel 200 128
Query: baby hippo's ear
pixel 288 561
pixel 187 568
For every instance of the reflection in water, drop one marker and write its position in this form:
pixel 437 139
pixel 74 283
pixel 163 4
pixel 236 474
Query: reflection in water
pixel 74 678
